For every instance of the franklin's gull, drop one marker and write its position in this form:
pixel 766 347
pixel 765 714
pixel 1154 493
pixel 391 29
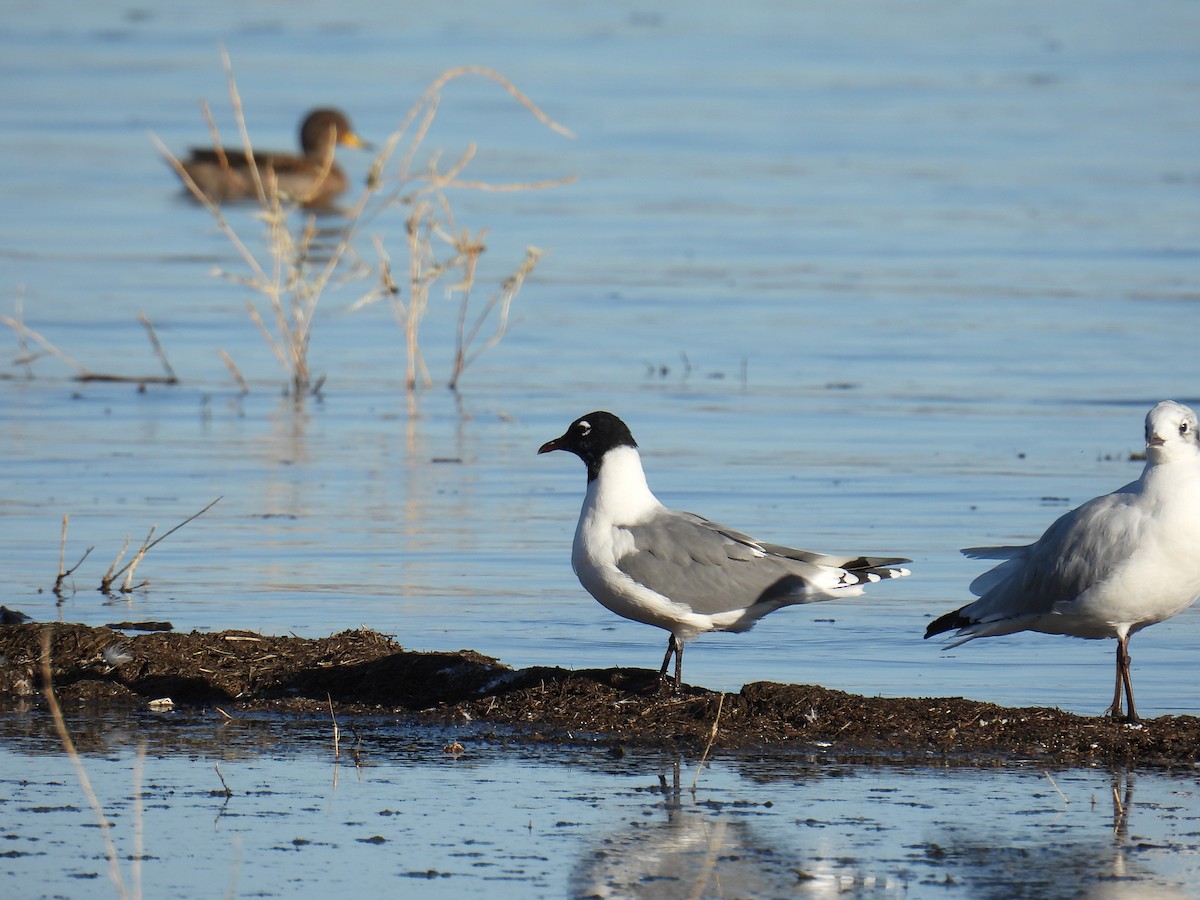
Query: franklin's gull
pixel 1107 569
pixel 677 570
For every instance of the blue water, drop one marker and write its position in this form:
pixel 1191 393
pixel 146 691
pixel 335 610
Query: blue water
pixel 869 278
pixel 898 278
pixel 495 820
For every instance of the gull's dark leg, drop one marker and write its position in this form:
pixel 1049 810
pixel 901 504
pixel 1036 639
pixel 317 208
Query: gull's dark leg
pixel 1124 683
pixel 671 648
pixel 1124 661
pixel 1115 709
pixel 678 665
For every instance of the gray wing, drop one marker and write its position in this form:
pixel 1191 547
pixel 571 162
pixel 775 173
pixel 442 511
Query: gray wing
pixel 883 566
pixel 714 569
pixel 1080 549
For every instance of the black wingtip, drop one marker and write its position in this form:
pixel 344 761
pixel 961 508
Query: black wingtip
pixel 951 621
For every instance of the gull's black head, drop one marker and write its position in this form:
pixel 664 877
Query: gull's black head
pixel 590 437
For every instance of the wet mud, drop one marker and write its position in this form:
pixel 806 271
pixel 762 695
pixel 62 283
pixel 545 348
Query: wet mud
pixel 365 672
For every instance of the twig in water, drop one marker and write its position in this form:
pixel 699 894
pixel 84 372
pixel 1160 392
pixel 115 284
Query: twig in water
pixel 128 587
pixel 64 736
pixel 64 574
pixel 712 736
pixel 158 350
pixel 1056 787
pixel 336 733
pixel 110 576
pixel 139 821
pixel 237 374
pixel 225 788
pixel 22 329
pixel 500 303
pixel 25 358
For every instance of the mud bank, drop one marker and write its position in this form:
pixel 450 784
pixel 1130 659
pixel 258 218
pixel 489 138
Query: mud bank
pixel 366 672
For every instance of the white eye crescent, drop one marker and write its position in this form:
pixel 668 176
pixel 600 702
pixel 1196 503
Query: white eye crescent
pixel 585 427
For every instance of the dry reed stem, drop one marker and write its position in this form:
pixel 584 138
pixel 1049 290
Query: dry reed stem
pixel 213 208
pixel 62 550
pixel 225 788
pixel 25 357
pixel 215 135
pixel 128 587
pixel 107 579
pixel 336 732
pixel 158 350
pixel 64 574
pixel 712 736
pixel 237 375
pixel 235 99
pixel 1054 784
pixel 64 736
pixel 22 329
pixel 429 100
pixel 502 301
pixel 293 286
pixel 139 841
pixel 111 576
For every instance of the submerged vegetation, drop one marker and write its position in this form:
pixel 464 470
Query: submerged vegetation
pixel 300 262
pixel 306 250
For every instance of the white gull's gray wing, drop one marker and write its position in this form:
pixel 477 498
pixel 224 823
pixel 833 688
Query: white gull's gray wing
pixel 713 569
pixel 1079 550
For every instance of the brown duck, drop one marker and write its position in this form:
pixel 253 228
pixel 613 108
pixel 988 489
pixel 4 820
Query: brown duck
pixel 313 179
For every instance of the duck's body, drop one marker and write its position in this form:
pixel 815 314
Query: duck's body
pixel 313 178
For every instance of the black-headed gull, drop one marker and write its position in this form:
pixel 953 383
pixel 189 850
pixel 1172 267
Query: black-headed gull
pixel 1107 569
pixel 677 570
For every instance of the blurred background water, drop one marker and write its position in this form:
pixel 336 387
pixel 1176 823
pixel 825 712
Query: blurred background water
pixel 862 277
pixel 898 278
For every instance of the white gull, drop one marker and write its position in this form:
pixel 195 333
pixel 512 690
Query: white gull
pixel 676 570
pixel 1108 569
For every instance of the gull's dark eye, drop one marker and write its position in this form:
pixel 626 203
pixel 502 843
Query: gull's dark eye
pixel 584 428
pixel 1183 427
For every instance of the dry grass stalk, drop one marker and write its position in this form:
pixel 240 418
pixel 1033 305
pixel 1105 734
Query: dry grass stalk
pixel 82 372
pixel 139 840
pixel 113 573
pixel 336 732
pixel 64 574
pixel 128 587
pixel 431 218
pixel 64 736
pixel 712 736
pixel 27 358
pixel 294 278
pixel 24 357
pixel 158 350
pixel 225 791
pixel 498 307
pixel 1054 784
pixel 237 375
